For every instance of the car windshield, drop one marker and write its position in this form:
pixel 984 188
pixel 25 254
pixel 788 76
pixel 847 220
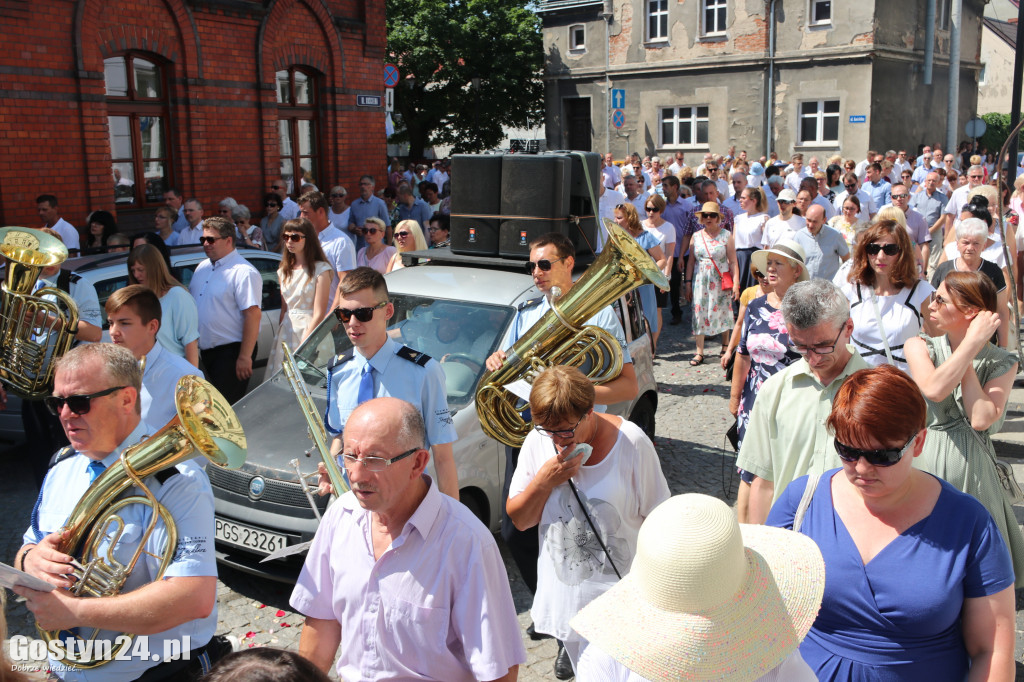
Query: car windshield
pixel 458 334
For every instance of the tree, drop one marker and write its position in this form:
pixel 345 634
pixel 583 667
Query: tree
pixel 468 67
pixel 997 130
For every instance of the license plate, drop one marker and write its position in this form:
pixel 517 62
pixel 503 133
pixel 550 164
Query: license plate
pixel 248 537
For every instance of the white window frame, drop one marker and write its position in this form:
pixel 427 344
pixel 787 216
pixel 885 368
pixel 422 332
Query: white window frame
pixel 943 10
pixel 811 13
pixel 683 115
pixel 715 6
pixel 820 115
pixel 582 46
pixel 656 10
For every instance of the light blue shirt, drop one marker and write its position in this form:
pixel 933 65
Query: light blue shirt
pixel 181 222
pixel 361 209
pixel 189 499
pixel 159 381
pixel 879 191
pixel 179 320
pixel 824 253
pixel 419 211
pixel 421 385
pixel 341 254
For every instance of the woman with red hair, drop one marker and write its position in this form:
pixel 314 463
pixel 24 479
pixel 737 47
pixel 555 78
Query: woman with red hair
pixel 918 581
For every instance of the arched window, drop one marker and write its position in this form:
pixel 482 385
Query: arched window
pixel 296 127
pixel 137 119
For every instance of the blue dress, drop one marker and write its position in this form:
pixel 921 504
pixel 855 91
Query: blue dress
pixel 647 296
pixel 898 616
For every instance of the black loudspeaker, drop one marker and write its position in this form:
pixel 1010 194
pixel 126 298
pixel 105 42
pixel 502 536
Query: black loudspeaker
pixel 585 236
pixel 534 200
pixel 476 192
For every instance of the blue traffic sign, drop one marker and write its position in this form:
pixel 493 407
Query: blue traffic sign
pixel 618 118
pixel 390 75
pixel 618 98
pixel 858 119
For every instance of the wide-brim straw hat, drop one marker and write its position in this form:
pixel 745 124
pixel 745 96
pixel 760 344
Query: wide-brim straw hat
pixel 787 248
pixel 707 598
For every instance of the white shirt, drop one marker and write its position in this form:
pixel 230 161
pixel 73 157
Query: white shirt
pixel 793 179
pixel 597 666
pixel 748 230
pixel 957 201
pixel 666 234
pixel 867 204
pixel 611 176
pixel 436 605
pixel 223 290
pixel 159 380
pixel 190 235
pixel 606 209
pixel 289 209
pixel 68 234
pixel 778 229
pixel 341 254
pixel 901 319
pixel 992 253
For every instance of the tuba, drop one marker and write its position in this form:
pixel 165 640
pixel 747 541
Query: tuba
pixel 34 331
pixel 558 339
pixel 205 425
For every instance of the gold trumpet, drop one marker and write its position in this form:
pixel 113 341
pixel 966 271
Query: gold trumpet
pixel 559 339
pixel 206 425
pixel 34 330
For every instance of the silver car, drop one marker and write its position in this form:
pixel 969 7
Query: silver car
pixel 456 314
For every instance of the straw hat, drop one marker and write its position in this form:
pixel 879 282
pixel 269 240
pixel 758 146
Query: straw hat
pixel 707 598
pixel 788 248
pixel 710 207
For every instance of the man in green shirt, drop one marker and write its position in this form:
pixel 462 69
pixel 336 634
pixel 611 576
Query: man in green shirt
pixel 786 436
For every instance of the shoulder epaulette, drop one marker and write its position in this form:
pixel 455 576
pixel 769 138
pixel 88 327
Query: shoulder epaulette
pixel 162 476
pixel 340 359
pixel 415 356
pixel 74 277
pixel 61 455
pixel 530 303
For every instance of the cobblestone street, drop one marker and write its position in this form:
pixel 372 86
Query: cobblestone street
pixel 692 418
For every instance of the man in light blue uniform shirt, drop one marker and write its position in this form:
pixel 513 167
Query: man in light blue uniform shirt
pixel 96 391
pixel 378 367
pixel 134 316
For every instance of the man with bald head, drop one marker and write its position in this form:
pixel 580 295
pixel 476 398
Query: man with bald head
pixel 289 209
pixel 401 581
pixel 825 248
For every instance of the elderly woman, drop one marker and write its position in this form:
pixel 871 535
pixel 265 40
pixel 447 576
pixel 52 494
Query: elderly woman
pixel 587 480
pixel 712 255
pixel 408 237
pixel 249 234
pixel 376 254
pixel 919 585
pixel 888 303
pixel 967 381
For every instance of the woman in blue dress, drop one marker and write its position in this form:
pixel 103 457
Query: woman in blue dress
pixel 918 580
pixel 629 220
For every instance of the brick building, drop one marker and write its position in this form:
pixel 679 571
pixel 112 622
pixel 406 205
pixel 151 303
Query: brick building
pixel 700 75
pixel 105 103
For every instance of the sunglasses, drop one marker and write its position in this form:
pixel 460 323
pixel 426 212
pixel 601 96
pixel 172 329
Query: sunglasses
pixel 293 237
pixel 651 209
pixel 369 230
pixel 888 249
pixel 877 458
pixel 543 264
pixel 850 186
pixel 205 241
pixel 272 205
pixel 758 275
pixel 708 216
pixel 402 235
pixel 899 196
pixel 79 404
pixel 361 314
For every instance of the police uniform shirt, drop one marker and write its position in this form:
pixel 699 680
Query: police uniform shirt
pixel 406 376
pixel 189 499
pixel 159 381
pixel 83 294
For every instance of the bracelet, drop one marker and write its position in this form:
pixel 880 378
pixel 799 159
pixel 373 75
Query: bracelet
pixel 23 558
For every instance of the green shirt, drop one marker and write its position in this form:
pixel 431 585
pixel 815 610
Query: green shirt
pixel 786 436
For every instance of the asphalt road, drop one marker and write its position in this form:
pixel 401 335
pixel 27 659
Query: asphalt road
pixel 691 422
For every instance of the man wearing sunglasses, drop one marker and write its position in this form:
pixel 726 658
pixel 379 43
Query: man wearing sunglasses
pixel 228 292
pixel 378 366
pixel 95 393
pixel 337 246
pixel 289 209
pixel 786 435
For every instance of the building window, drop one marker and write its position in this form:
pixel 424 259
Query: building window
pixel 137 121
pixel 943 9
pixel 819 122
pixel 821 12
pixel 577 37
pixel 684 126
pixel 981 75
pixel 297 127
pixel 657 20
pixel 714 17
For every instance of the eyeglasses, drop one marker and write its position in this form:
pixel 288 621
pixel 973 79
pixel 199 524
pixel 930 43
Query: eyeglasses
pixel 888 249
pixel 543 264
pixel 361 314
pixel 372 463
pixel 758 274
pixel 940 300
pixel 565 433
pixel 850 186
pixel 79 404
pixel 651 209
pixel 819 350
pixel 435 229
pixel 849 209
pixel 293 237
pixel 976 177
pixel 205 241
pixel 899 196
pixel 369 230
pixel 402 235
pixel 877 458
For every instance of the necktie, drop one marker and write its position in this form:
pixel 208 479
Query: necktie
pixel 95 469
pixel 365 385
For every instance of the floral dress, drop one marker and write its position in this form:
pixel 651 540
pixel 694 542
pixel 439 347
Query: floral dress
pixel 766 341
pixel 712 307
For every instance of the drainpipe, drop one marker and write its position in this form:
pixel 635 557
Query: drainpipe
pixel 952 108
pixel 929 42
pixel 607 15
pixel 770 86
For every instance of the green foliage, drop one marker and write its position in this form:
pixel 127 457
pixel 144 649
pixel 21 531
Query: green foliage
pixel 997 130
pixel 444 45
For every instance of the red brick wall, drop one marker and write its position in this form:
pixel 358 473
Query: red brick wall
pixel 220 57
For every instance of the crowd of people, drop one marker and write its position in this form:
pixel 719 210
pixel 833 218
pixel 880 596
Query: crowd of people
pixel 862 311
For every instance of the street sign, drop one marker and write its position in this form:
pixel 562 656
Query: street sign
pixel 367 100
pixel 858 119
pixel 390 75
pixel 618 118
pixel 618 98
pixel 976 127
pixel 389 100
